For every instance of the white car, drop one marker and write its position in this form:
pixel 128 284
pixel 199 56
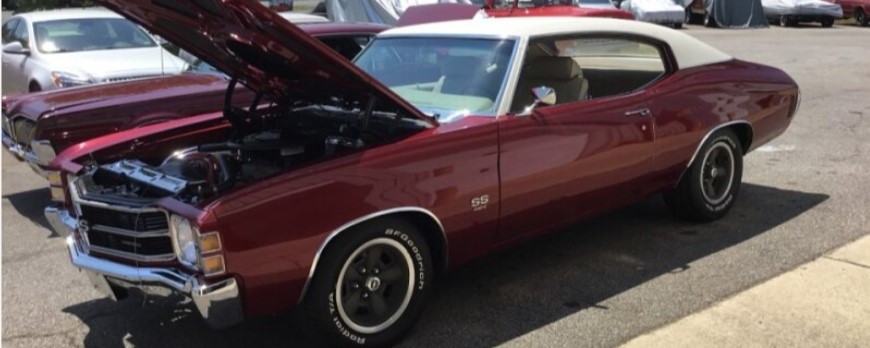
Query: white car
pixel 63 48
pixel 665 12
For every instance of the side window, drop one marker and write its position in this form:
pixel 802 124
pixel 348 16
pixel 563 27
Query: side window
pixel 8 29
pixel 21 35
pixel 580 69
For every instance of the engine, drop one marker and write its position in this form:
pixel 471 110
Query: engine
pixel 281 143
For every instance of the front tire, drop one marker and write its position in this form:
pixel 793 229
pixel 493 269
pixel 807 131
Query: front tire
pixel 861 17
pixel 827 22
pixel 709 188
pixel 785 21
pixel 371 285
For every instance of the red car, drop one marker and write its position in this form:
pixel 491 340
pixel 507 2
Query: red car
pixel 346 189
pixel 537 8
pixel 37 126
pixel 859 9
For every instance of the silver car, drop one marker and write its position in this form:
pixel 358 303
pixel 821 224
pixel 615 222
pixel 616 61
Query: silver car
pixel 63 48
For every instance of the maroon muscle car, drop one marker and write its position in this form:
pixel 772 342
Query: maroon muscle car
pixel 858 9
pixel 37 126
pixel 347 188
pixel 549 8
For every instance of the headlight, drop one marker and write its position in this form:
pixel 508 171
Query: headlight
pixel 185 240
pixel 64 79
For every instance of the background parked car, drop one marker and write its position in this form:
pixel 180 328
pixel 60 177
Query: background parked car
pixel 858 9
pixel 789 13
pixel 36 126
pixel 73 47
pixel 537 8
pixel 656 11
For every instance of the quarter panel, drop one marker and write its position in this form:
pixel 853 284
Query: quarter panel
pixel 691 102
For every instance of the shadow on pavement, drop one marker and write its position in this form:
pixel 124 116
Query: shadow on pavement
pixel 31 204
pixel 500 297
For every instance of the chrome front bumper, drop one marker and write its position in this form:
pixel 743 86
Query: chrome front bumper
pixel 219 303
pixel 10 145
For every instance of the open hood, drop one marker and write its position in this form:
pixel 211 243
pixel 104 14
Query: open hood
pixel 253 44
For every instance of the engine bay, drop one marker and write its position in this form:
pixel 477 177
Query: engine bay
pixel 262 144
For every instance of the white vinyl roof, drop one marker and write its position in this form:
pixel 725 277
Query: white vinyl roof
pixel 689 52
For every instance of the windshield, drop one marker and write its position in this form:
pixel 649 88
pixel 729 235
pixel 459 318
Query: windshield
pixel 89 34
pixel 444 77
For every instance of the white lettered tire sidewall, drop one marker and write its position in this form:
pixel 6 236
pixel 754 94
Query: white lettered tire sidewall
pixel 715 208
pixel 320 303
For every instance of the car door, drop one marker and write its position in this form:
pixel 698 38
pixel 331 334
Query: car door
pixel 14 75
pixel 593 149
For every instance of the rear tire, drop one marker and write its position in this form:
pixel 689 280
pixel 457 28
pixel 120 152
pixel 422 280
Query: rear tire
pixel 861 17
pixel 371 285
pixel 678 25
pixel 709 188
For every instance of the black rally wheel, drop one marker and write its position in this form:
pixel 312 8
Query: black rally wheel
pixel 709 188
pixel 371 285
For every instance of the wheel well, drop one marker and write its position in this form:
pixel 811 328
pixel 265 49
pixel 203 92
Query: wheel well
pixel 434 234
pixel 744 134
pixel 427 222
pixel 34 83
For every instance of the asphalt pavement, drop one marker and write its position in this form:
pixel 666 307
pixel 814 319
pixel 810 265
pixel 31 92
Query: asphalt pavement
pixel 600 283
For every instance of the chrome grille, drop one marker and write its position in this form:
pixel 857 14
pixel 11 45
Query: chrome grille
pixel 138 234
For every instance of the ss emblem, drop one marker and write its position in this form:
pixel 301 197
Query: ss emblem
pixel 479 203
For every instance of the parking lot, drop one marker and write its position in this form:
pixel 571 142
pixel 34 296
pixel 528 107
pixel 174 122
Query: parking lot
pixel 596 284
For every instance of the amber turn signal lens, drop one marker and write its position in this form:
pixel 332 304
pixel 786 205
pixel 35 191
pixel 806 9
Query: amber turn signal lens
pixel 57 194
pixel 54 178
pixel 212 265
pixel 210 242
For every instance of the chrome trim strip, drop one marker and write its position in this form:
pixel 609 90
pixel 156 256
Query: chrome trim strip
pixel 704 140
pixel 362 219
pixel 129 233
pixel 61 222
pixel 131 256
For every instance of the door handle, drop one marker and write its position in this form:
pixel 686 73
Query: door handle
pixel 638 113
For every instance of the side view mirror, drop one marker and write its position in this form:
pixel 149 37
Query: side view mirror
pixel 15 48
pixel 543 95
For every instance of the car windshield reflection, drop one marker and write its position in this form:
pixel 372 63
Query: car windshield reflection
pixel 89 34
pixel 444 77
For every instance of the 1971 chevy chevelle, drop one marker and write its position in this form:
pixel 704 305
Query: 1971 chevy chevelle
pixel 348 187
pixel 36 126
